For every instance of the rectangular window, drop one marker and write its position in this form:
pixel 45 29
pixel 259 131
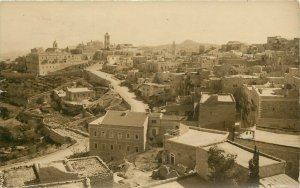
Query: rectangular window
pixel 111 147
pixel 128 148
pixel 153 121
pixel 136 136
pixel 120 147
pixel 95 133
pixel 111 134
pixel 95 145
pixel 102 133
pixel 137 149
pixel 119 135
pixel 103 146
pixel 127 135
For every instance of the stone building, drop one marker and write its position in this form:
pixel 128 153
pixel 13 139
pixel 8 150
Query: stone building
pixel 153 91
pixel 231 83
pixel 180 145
pixel 160 66
pixel 159 124
pixel 280 43
pixel 271 143
pixel 268 165
pixel 207 62
pixel 77 172
pixel 118 134
pixel 217 111
pixel 79 94
pixel 53 59
pixel 235 45
pixel 293 78
pixel 275 107
pixel 137 60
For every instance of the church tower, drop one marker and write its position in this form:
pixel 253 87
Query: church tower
pixel 55 44
pixel 106 41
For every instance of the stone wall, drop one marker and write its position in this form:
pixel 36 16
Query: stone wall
pixel 56 136
pixel 51 174
pixel 279 123
pixel 290 154
pixel 96 79
pixel 284 109
pixel 102 180
pixel 217 117
pixel 184 154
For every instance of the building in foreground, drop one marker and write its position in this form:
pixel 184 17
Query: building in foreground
pixel 159 124
pixel 271 143
pixel 193 179
pixel 118 134
pixel 180 144
pixel 268 165
pixel 78 172
pixel 217 111
pixel 274 107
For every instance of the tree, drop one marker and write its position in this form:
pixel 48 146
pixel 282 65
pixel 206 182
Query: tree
pixel 253 180
pixel 20 64
pixel 223 168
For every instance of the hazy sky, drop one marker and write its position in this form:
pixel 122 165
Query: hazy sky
pixel 31 24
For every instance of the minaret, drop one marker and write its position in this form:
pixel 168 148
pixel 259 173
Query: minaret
pixel 173 48
pixel 106 41
pixel 55 44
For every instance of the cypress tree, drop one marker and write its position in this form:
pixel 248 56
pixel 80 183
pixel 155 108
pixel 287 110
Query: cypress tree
pixel 254 170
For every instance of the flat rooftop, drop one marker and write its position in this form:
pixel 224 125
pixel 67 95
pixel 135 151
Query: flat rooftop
pixel 222 98
pixel 268 91
pixel 243 156
pixel 198 138
pixel 78 89
pixel 81 183
pixel 242 76
pixel 281 180
pixel 277 138
pixel 84 167
pixel 89 166
pixel 19 177
pixel 172 117
pixel 156 85
pixel 60 93
pixel 185 182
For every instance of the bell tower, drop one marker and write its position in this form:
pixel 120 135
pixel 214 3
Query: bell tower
pixel 55 44
pixel 106 41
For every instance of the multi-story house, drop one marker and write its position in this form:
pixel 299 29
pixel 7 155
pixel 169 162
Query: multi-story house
pixel 118 134
pixel 53 59
pixel 217 111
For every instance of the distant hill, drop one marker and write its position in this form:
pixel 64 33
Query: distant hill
pixel 188 45
pixel 12 55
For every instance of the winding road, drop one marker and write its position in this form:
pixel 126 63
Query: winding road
pixel 129 97
pixel 81 141
pixel 81 145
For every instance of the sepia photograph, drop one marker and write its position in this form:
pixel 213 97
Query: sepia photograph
pixel 149 94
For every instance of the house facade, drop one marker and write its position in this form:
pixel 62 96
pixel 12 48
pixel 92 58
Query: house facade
pixel 118 134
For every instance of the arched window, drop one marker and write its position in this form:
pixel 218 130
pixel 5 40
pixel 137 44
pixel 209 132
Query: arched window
pixel 153 132
pixel 172 158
